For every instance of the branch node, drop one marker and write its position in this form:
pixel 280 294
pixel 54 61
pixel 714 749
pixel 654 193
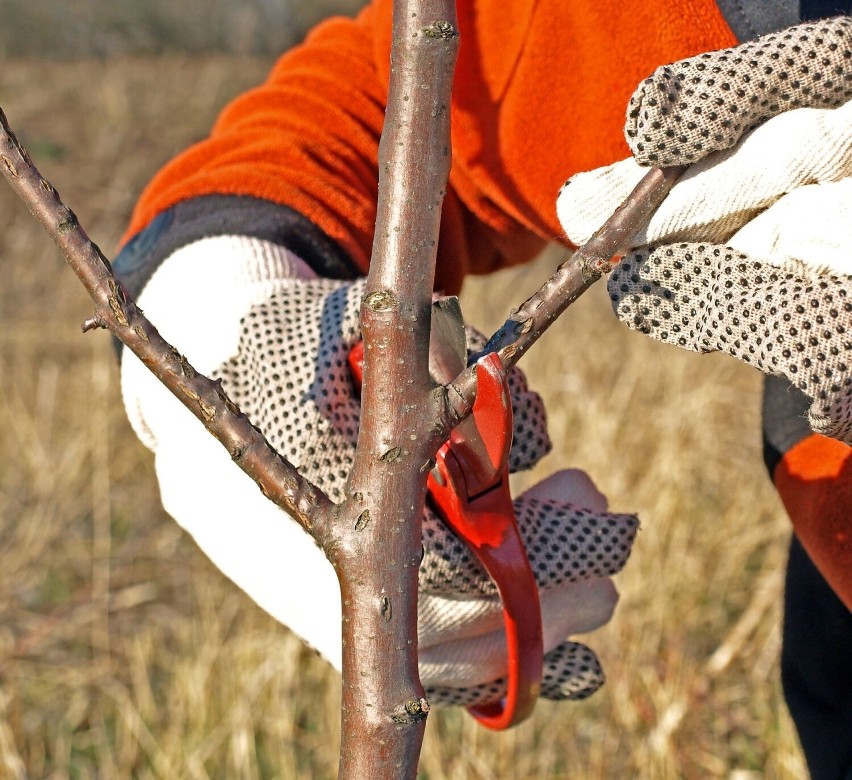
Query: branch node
pixel 602 266
pixel 522 326
pixel 117 289
pixel 230 405
pixel 185 366
pixel 386 609
pixel 413 711
pixel 10 166
pixel 92 323
pixel 392 455
pixel 118 311
pixel 440 30
pixel 363 520
pixel 508 353
pixel 381 300
pixel 68 224
pixel 208 411
pixel 591 269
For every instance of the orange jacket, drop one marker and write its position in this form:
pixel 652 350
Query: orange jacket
pixel 539 94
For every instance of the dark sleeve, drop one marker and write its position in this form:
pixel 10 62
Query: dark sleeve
pixel 816 668
pixel 220 215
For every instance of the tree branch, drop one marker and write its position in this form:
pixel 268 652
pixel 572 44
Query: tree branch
pixel 526 324
pixel 373 538
pixel 278 480
pixel 398 436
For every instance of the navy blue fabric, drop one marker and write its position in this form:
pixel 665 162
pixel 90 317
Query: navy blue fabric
pixel 136 262
pixel 816 668
pixel 820 9
pixel 750 19
pixel 222 215
pixel 785 421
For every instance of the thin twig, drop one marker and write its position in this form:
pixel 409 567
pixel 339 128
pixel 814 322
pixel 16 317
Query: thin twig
pixel 587 264
pixel 277 479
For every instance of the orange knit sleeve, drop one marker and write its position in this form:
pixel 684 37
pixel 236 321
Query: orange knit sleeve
pixel 539 95
pixel 540 92
pixel 306 138
pixel 814 480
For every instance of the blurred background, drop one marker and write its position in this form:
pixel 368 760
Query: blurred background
pixel 103 28
pixel 124 653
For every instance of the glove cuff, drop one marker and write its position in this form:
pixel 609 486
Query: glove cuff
pixel 209 216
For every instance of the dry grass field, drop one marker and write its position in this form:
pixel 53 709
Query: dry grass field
pixel 124 653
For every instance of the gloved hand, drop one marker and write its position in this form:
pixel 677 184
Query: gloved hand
pixel 280 340
pixel 751 252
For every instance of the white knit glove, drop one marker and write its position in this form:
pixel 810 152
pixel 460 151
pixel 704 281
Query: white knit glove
pixel 280 340
pixel 751 252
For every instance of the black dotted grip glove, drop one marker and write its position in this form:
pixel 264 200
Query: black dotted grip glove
pixel 751 252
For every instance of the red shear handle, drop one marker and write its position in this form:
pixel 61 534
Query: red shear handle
pixel 487 524
pixel 471 493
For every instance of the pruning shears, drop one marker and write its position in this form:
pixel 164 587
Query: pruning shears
pixel 469 489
